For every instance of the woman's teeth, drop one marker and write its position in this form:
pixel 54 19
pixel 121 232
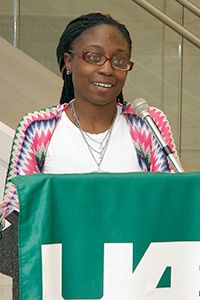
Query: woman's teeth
pixel 103 85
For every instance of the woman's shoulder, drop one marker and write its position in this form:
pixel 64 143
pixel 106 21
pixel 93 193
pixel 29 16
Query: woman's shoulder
pixel 47 114
pixel 155 112
pixel 43 113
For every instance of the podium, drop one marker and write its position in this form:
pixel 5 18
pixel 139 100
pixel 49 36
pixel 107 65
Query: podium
pixel 109 236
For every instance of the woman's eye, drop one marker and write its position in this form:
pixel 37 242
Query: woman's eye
pixel 95 58
pixel 119 61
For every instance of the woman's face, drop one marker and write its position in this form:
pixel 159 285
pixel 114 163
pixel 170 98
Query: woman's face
pixel 95 84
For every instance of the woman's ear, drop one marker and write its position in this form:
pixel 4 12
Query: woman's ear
pixel 68 61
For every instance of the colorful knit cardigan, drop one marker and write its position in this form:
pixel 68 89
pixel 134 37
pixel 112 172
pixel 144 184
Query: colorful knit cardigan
pixel 35 130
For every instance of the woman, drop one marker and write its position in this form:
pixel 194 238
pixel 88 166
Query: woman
pixel 92 129
pixel 92 120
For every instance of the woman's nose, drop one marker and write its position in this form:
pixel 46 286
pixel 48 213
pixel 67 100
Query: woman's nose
pixel 107 68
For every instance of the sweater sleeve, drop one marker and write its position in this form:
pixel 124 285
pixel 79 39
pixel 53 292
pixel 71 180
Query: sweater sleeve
pixel 28 151
pixel 158 162
pixel 150 155
pixel 22 161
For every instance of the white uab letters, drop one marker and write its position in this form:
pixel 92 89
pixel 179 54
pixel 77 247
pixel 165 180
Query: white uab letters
pixel 120 282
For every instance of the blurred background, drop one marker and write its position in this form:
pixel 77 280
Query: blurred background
pixel 167 66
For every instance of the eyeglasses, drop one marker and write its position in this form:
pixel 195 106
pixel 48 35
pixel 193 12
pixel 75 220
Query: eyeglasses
pixel 117 62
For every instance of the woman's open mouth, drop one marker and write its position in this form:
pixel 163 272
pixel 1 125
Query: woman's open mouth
pixel 102 85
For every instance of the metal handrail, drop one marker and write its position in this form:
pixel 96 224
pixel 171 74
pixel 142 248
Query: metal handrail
pixel 169 22
pixel 191 6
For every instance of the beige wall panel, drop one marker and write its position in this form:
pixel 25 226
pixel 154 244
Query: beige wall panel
pixel 25 85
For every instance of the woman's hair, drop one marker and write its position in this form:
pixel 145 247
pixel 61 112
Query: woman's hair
pixel 71 32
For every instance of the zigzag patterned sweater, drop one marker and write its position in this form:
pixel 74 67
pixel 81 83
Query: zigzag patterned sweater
pixel 35 130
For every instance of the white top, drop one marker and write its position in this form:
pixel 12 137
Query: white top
pixel 69 153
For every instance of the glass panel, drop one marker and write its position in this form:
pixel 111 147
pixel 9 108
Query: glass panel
pixel 190 138
pixel 171 8
pixel 191 106
pixel 6 20
pixel 157 72
pixel 192 22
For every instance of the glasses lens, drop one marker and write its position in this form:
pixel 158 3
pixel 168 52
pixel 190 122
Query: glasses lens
pixel 94 58
pixel 120 63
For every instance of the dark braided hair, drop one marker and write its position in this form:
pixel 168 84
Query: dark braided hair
pixel 71 32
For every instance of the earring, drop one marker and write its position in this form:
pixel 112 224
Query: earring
pixel 68 72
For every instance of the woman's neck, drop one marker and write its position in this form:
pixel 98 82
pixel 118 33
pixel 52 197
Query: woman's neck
pixel 93 119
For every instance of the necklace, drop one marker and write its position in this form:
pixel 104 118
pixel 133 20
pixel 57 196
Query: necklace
pixel 99 147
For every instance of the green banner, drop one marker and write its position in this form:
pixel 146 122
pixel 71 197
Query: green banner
pixel 109 236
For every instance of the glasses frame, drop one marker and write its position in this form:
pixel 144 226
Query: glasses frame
pixel 83 54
